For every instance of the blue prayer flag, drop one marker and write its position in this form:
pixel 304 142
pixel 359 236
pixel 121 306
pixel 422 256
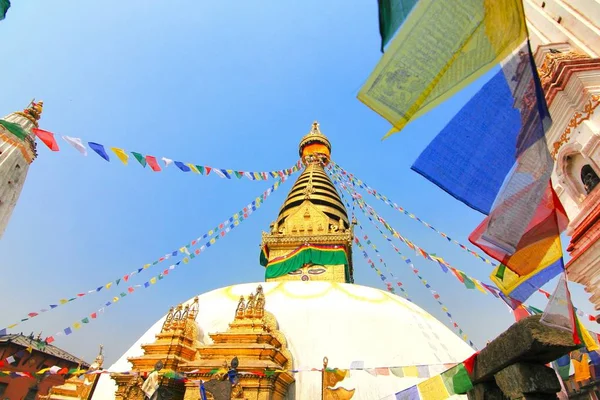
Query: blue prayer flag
pixel 99 149
pixel 182 166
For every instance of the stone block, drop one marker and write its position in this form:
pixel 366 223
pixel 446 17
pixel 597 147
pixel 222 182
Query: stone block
pixel 522 379
pixel 485 391
pixel 527 341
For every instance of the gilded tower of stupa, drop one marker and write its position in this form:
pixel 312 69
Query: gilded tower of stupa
pixel 311 239
pixel 17 151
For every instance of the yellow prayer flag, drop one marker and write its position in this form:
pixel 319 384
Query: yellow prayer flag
pixel 441 47
pixel 63 301
pixel 12 326
pixel 186 260
pixel 153 280
pixel 212 241
pixel 108 285
pixel 121 154
pixel 30 349
pixel 147 266
pixel 76 325
pixel 193 168
pixel 479 287
pixel 433 389
pixel 115 299
pixel 210 232
pixel 43 371
pixel 410 371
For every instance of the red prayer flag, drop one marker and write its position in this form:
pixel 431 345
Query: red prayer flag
pixel 49 340
pixel 93 315
pixel 126 278
pixel 520 313
pixel 151 160
pixel 469 363
pixel 130 289
pixel 47 138
pixel 208 169
pixel 63 371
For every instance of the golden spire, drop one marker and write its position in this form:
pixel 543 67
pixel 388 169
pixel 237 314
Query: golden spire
pixel 33 112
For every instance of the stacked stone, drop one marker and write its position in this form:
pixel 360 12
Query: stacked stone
pixel 513 366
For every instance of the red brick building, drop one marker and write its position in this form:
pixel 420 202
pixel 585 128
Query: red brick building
pixel 30 355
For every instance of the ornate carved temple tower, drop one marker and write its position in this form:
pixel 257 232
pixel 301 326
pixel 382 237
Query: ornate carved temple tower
pixel 17 151
pixel 565 38
pixel 311 239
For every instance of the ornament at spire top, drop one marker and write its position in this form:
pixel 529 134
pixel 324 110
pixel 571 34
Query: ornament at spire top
pixel 33 112
pixel 315 146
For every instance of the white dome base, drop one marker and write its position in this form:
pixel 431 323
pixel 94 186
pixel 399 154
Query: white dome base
pixel 342 322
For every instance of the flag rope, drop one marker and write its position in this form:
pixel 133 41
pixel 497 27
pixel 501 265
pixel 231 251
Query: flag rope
pixel 218 231
pixel 339 182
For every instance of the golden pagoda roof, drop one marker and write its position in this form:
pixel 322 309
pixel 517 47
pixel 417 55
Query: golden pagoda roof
pixel 315 186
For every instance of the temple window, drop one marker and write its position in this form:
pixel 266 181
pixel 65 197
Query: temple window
pixel 32 393
pixel 589 178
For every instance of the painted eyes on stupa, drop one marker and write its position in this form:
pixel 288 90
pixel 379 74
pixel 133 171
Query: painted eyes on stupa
pixel 316 270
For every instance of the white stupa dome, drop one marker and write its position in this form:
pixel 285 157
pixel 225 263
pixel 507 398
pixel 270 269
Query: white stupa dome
pixel 343 322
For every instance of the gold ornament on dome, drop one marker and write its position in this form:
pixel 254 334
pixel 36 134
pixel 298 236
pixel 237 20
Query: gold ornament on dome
pixel 552 60
pixel 33 113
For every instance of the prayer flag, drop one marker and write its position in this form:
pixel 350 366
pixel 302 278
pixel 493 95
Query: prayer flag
pixel 220 172
pixel 47 138
pixel 412 393
pixel 441 47
pixel 14 128
pixel 392 14
pixel 76 143
pixel 433 389
pixel 457 380
pixel 508 176
pixel 140 158
pixel 153 163
pixel 167 161
pixel 99 149
pixel 538 257
pixel 200 169
pixel 4 6
pixel 121 154
pixel 182 166
pixel 208 169
pixel 193 168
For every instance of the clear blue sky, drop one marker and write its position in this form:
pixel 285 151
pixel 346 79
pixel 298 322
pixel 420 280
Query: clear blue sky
pixel 229 84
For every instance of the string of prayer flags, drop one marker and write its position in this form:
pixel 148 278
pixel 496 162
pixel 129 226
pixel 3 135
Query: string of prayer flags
pixel 463 40
pixel 337 179
pixel 47 138
pixel 389 286
pixel 451 382
pixel 417 371
pixel 152 161
pixel 379 196
pixel 4 6
pixel 219 231
pixel 215 235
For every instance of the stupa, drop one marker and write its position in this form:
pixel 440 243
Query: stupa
pixel 269 340
pixel 17 152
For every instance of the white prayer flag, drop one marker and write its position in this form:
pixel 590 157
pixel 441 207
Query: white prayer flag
pixel 76 143
pixel 167 161
pixel 218 172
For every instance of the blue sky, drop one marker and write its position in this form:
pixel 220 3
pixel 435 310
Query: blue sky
pixel 228 84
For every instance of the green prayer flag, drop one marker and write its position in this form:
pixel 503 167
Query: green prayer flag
pixel 238 174
pixel 117 281
pixel 457 380
pixel 4 6
pixel 86 320
pixel 500 271
pixel 392 14
pixel 467 281
pixel 269 373
pixel 200 169
pixel 141 159
pixel 13 128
